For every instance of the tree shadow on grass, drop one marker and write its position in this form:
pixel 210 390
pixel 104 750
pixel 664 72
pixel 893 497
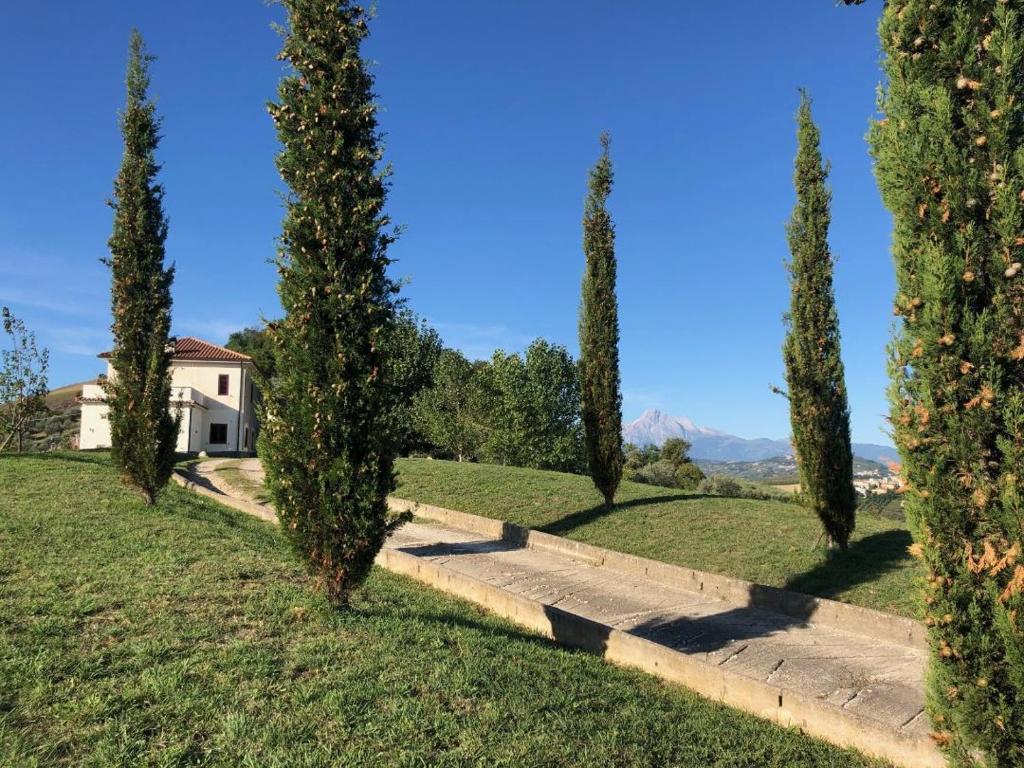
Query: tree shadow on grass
pixel 576 520
pixel 866 560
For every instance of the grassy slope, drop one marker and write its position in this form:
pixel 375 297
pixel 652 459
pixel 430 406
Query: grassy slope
pixel 764 541
pixel 187 634
pixel 64 397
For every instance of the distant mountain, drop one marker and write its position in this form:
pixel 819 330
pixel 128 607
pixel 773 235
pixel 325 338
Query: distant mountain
pixel 654 428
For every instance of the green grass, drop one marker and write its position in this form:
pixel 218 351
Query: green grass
pixel 186 634
pixel 768 542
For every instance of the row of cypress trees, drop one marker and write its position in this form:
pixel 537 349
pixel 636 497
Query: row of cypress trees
pixel 328 439
pixel 819 409
pixel 950 166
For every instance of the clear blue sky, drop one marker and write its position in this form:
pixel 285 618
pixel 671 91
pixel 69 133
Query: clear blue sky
pixel 492 113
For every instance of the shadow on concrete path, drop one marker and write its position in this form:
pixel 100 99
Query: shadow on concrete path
pixel 691 635
pixel 446 549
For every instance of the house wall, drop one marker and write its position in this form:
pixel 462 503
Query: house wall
pixel 235 410
pixel 95 431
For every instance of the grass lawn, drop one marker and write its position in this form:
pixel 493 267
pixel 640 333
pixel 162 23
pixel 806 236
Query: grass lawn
pixel 768 542
pixel 186 634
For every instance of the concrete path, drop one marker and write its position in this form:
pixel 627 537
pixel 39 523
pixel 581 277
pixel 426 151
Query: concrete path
pixel 872 688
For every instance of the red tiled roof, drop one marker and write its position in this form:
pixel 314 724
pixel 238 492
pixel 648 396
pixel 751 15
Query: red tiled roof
pixel 191 348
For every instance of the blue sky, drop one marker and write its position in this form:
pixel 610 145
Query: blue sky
pixel 492 113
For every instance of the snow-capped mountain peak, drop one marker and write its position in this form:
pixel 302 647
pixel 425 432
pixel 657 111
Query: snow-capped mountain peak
pixel 654 427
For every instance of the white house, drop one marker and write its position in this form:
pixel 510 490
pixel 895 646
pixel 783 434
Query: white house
pixel 214 390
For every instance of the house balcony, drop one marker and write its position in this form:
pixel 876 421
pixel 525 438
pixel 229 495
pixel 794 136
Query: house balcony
pixel 180 396
pixel 187 396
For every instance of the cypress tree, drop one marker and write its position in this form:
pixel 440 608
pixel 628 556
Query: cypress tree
pixel 328 437
pixel 949 153
pixel 819 413
pixel 599 335
pixel 143 429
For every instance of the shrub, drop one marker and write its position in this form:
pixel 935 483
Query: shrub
pixel 720 485
pixel 661 473
pixel 688 476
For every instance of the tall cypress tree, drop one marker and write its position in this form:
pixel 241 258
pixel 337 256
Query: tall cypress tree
pixel 599 335
pixel 328 437
pixel 143 428
pixel 819 413
pixel 950 165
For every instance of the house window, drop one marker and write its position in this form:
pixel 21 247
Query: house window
pixel 247 438
pixel 218 434
pixel 222 384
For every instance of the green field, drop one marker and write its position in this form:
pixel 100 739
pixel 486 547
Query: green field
pixel 186 634
pixel 768 542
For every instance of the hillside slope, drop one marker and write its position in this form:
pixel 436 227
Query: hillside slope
pixel 187 634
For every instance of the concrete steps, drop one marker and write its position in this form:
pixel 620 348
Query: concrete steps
pixel 846 674
pixel 850 688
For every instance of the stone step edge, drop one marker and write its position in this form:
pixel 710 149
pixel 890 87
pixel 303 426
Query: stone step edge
pixel 819 610
pixel 788 708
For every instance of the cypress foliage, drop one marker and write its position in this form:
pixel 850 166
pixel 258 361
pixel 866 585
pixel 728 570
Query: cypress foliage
pixel 599 335
pixel 819 413
pixel 950 165
pixel 143 429
pixel 328 436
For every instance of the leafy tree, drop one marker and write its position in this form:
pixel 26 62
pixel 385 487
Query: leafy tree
pixel 328 435
pixel 449 413
pixel 819 413
pixel 601 398
pixel 23 382
pixel 533 409
pixel 637 457
pixel 255 342
pixel 143 429
pixel 669 466
pixel 949 153
pixel 676 451
pixel 412 351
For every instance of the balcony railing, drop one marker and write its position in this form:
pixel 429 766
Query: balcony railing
pixel 92 392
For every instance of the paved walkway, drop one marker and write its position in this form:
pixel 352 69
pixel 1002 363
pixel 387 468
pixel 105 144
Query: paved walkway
pixel 873 681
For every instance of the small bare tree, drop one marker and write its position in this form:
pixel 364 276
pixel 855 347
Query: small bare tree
pixel 23 382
